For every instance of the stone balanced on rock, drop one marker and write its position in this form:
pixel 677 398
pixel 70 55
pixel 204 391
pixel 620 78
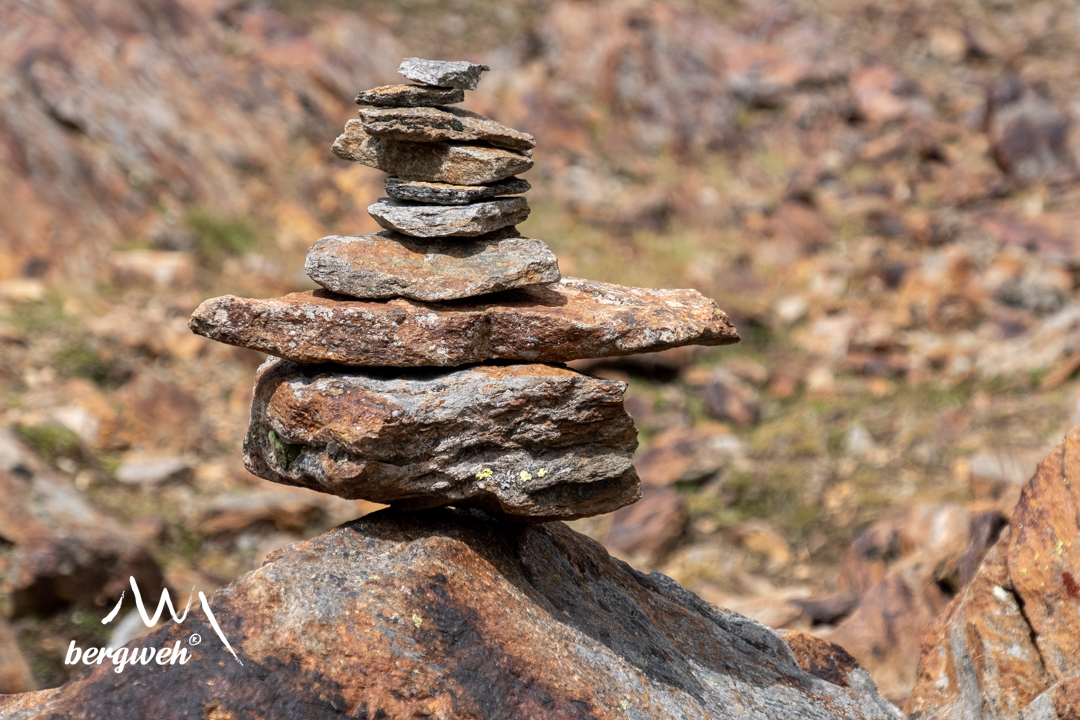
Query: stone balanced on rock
pixel 428 371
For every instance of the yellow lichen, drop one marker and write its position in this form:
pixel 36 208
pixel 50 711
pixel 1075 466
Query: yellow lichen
pixel 484 474
pixel 541 472
pixel 524 476
pixel 417 620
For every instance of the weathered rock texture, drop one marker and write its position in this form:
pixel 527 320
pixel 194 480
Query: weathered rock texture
pixel 530 440
pixel 429 124
pixel 421 220
pixel 429 162
pixel 409 96
pixel 548 323
pixel 447 614
pixel 387 265
pixel 1006 646
pixel 444 194
pixel 442 73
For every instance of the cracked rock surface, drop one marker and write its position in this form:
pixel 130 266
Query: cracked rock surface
pixel 1006 646
pixel 429 221
pixel 443 73
pixel 430 124
pixel 568 320
pixel 429 161
pixel 535 441
pixel 387 265
pixel 444 194
pixel 454 614
pixel 408 96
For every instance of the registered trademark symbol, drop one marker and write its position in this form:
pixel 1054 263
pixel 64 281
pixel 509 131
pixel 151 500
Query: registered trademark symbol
pixel 194 639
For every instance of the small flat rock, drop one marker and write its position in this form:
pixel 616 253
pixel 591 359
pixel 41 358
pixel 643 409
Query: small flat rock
pixel 535 441
pixel 563 321
pixel 430 124
pixel 442 73
pixel 444 194
pixel 387 265
pixel 433 221
pixel 408 96
pixel 454 614
pixel 437 162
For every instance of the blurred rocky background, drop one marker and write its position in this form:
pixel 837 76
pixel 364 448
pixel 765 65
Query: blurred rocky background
pixel 884 195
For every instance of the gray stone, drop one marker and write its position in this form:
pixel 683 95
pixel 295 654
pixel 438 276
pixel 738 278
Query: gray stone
pixel 429 124
pixel 444 194
pixel 387 265
pixel 409 96
pixel 454 614
pixel 442 73
pixel 153 471
pixel 532 440
pixel 429 162
pixel 430 221
pixel 567 320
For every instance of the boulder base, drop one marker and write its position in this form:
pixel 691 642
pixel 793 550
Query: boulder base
pixel 453 616
pixel 563 321
pixel 535 441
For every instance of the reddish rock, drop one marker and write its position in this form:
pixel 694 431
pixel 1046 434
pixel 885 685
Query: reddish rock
pixel 1007 644
pixel 1029 133
pixel 527 440
pixel 15 675
pixel 650 526
pixel 551 323
pixel 447 614
pixel 429 124
pixel 729 398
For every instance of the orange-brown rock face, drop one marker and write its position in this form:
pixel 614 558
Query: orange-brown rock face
pixel 446 614
pixel 553 323
pixel 1007 644
pixel 528 440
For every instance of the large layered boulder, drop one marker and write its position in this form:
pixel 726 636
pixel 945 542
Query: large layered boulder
pixel 452 614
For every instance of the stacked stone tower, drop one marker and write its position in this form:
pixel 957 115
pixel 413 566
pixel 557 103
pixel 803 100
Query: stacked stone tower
pixel 428 371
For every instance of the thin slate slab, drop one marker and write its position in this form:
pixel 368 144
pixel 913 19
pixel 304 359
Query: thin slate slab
pixel 433 221
pixel 442 73
pixel 429 162
pixel 430 124
pixel 568 320
pixel 534 441
pixel 444 194
pixel 408 96
pixel 387 265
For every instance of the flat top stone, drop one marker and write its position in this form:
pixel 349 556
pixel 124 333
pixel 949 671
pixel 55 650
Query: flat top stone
pixel 430 221
pixel 571 319
pixel 456 614
pixel 431 124
pixel 446 194
pixel 402 96
pixel 442 73
pixel 387 265
pixel 536 441
pixel 429 161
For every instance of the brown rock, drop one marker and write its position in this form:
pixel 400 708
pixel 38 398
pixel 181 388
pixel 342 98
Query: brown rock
pixel 387 265
pixel 407 96
pixel 550 323
pixel 729 398
pixel 437 221
pixel 288 512
pixel 447 614
pixel 444 194
pixel 431 161
pixel 1029 134
pixel 428 124
pixel 15 675
pixel 689 456
pixel 650 526
pixel 528 440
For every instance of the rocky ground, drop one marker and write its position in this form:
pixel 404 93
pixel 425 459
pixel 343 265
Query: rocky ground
pixel 884 196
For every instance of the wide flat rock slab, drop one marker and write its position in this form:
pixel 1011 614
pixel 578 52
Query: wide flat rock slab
pixel 450 614
pixel 444 194
pixel 388 265
pixel 567 320
pixel 442 73
pixel 435 221
pixel 536 441
pixel 408 96
pixel 429 124
pixel 429 161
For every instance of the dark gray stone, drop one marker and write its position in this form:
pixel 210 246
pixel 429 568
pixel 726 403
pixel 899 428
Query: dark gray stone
pixel 445 194
pixel 428 221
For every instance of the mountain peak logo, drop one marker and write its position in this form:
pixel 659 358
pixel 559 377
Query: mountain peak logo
pixel 122 657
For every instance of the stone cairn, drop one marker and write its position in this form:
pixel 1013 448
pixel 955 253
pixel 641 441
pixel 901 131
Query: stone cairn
pixel 428 371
